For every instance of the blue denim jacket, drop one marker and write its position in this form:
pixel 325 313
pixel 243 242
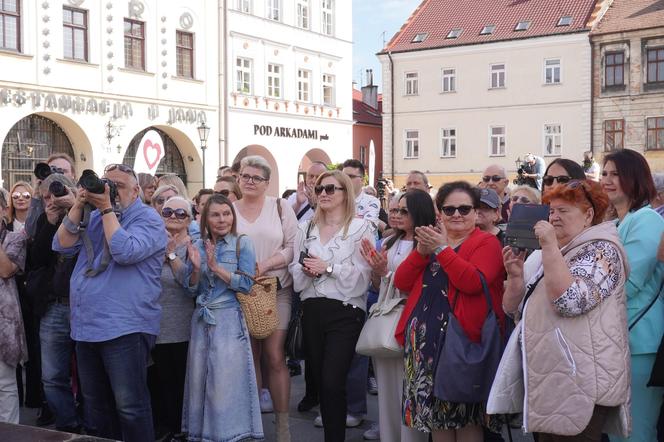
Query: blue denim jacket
pixel 211 291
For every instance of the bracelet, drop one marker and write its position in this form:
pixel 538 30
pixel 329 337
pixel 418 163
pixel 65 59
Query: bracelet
pixel 70 226
pixel 106 211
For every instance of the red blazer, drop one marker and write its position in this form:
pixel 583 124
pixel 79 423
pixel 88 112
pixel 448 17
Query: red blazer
pixel 480 251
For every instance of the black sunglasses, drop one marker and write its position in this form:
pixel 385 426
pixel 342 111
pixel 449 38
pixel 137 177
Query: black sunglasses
pixel 561 179
pixel 328 188
pixel 520 199
pixel 400 211
pixel 122 168
pixel 494 178
pixel 574 184
pixel 167 212
pixel 463 210
pixel 224 192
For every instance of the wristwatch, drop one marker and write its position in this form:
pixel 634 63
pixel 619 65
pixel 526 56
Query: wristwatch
pixel 171 256
pixel 439 249
pixel 106 211
pixel 329 269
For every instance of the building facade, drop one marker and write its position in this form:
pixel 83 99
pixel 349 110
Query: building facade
pixel 486 83
pixel 628 80
pixel 368 130
pixel 287 84
pixel 90 78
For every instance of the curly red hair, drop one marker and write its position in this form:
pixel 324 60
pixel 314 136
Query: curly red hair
pixel 582 193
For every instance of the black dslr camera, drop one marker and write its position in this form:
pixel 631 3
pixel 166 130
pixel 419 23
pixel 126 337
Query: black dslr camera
pixel 42 170
pixel 91 182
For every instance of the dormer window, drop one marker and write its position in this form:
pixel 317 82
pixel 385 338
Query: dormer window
pixel 454 33
pixel 522 25
pixel 419 38
pixel 565 21
pixel 488 30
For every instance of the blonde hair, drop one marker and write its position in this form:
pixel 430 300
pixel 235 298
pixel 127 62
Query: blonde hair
pixel 535 195
pixel 349 198
pixel 10 203
pixel 258 162
pixel 173 180
pixel 161 189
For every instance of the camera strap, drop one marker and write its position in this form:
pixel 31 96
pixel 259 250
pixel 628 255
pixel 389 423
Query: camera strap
pixel 89 250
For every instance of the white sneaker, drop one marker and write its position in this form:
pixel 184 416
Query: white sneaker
pixel 318 422
pixel 352 421
pixel 265 401
pixel 372 433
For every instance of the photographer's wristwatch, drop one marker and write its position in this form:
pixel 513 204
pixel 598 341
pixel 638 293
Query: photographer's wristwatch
pixel 329 269
pixel 106 211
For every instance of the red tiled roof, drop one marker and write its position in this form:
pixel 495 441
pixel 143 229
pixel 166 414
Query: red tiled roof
pixel 438 17
pixel 630 15
pixel 363 113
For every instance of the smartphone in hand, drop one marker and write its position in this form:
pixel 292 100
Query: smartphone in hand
pixel 303 255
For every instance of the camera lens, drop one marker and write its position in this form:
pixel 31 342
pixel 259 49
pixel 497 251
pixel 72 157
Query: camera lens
pixel 91 182
pixel 57 189
pixel 42 170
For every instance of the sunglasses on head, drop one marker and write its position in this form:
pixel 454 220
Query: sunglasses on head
pixel 122 168
pixel 450 210
pixel 494 178
pixel 400 211
pixel 561 179
pixel 167 212
pixel 24 195
pixel 224 192
pixel 328 188
pixel 574 184
pixel 520 199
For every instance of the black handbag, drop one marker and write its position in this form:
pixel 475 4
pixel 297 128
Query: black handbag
pixel 294 338
pixel 465 370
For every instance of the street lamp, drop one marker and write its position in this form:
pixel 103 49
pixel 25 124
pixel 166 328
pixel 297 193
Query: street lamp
pixel 518 163
pixel 203 132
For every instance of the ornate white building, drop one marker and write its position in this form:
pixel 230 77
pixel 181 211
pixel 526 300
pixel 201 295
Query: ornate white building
pixel 288 84
pixel 90 77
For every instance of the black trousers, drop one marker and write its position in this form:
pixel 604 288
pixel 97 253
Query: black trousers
pixel 330 331
pixel 166 383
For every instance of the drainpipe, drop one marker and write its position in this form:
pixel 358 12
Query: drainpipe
pixel 389 55
pixel 223 84
pixel 592 96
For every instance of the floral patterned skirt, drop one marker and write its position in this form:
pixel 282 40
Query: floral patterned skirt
pixel 421 409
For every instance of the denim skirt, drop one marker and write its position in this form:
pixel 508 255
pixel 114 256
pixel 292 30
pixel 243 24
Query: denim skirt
pixel 220 396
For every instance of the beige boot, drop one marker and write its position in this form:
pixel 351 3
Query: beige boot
pixel 283 430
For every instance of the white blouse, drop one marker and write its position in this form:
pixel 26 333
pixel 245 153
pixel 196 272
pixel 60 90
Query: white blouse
pixel 351 274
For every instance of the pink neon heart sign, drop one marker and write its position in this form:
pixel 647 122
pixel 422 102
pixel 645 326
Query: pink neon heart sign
pixel 151 153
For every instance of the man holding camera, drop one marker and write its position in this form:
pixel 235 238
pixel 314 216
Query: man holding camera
pixel 114 291
pixel 533 170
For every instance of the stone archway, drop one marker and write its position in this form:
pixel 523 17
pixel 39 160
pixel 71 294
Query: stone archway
pixel 172 163
pixel 30 141
pixel 311 156
pixel 256 149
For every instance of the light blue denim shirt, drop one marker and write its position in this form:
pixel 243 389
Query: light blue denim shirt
pixel 122 299
pixel 211 291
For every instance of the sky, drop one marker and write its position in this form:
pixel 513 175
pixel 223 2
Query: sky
pixel 374 23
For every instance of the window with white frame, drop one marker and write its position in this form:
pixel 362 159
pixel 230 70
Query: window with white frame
pixel 327 17
pixel 303 14
pixel 448 142
pixel 244 6
pixel 497 72
pixel 412 145
pixel 273 9
pixel 411 81
pixel 243 75
pixel 304 85
pixel 328 90
pixel 553 140
pixel 552 71
pixel 449 80
pixel 274 80
pixel 497 140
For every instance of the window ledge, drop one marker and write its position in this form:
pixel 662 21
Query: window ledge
pixel 658 86
pixel 497 88
pixel 77 62
pixel 497 155
pixel 410 95
pixel 614 88
pixel 187 79
pixel 136 71
pixel 15 54
pixel 560 83
pixel 448 92
pixel 447 157
pixel 552 155
pixel 411 158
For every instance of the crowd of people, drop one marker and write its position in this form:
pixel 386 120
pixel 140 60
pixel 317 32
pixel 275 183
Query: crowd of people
pixel 119 310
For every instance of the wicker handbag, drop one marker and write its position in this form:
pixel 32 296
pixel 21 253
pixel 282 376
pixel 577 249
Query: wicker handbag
pixel 259 306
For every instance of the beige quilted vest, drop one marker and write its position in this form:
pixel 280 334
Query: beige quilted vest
pixel 572 364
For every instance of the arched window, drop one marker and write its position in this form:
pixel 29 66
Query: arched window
pixel 172 161
pixel 31 140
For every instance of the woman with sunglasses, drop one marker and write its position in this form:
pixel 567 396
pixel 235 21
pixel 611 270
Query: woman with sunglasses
pixel 627 180
pixel 228 187
pixel 148 184
pixel 561 171
pixel 445 265
pixel 166 376
pixel 221 397
pixel 414 209
pixel 166 192
pixel 20 193
pixel 523 194
pixel 332 278
pixel 570 311
pixel 271 224
pixel 13 350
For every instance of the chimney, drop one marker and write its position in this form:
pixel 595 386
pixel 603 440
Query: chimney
pixel 370 91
